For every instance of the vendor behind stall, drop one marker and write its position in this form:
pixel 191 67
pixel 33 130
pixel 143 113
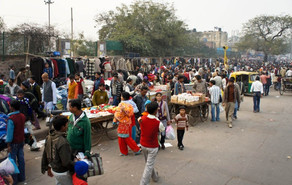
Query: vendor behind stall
pixel 179 86
pixel 100 96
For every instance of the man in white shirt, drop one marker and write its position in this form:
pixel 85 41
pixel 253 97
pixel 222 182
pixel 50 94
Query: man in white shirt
pixel 258 90
pixel 289 73
pixel 215 93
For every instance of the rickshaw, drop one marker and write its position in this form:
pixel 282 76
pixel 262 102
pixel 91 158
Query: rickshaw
pixel 245 79
pixel 286 85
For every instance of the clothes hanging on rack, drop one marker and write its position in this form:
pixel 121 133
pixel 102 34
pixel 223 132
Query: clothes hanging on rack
pixel 90 66
pixel 36 67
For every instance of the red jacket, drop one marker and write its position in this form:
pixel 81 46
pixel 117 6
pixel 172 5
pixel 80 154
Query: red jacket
pixel 149 131
pixel 77 181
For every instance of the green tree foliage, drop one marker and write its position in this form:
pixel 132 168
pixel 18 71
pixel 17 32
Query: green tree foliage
pixel 82 47
pixel 144 27
pixel 31 35
pixel 268 34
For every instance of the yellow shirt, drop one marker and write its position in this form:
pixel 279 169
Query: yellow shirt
pixel 72 90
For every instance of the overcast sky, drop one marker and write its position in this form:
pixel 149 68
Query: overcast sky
pixel 203 15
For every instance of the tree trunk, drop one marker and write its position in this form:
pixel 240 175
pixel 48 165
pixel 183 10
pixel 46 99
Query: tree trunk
pixel 266 57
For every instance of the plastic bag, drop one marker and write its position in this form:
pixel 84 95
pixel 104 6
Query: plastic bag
pixel 170 133
pixel 8 166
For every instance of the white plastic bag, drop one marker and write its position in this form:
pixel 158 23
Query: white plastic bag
pixel 170 133
pixel 8 166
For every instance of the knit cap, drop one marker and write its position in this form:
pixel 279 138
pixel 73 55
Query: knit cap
pixel 81 168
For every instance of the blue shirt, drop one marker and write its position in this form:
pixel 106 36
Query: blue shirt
pixel 10 128
pixel 12 74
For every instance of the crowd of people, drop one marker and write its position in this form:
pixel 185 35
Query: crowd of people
pixel 141 123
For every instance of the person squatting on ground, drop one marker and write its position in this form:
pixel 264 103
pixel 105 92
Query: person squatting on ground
pixel 15 139
pixel 57 156
pixel 150 127
pixel 123 117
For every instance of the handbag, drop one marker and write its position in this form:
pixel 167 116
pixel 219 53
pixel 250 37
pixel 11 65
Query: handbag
pixel 95 166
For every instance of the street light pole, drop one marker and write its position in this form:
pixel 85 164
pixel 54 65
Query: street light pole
pixel 49 2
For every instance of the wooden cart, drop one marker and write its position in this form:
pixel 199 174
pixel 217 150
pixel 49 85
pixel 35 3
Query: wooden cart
pixel 197 112
pixel 103 126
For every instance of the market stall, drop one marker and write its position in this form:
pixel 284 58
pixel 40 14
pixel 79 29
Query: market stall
pixel 101 118
pixel 197 106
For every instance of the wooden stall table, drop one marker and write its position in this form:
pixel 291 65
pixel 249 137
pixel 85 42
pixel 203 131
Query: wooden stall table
pixel 196 112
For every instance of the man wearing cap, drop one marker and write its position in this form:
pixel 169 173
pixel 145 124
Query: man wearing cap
pixel 231 95
pixel 49 96
pixel 27 72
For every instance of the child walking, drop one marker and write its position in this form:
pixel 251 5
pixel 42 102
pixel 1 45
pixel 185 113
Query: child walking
pixel 150 126
pixel 181 121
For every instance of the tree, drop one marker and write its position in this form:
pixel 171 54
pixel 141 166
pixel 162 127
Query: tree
pixel 2 25
pixel 145 27
pixel 31 35
pixel 82 47
pixel 267 34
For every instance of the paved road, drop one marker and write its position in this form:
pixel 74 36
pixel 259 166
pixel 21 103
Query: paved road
pixel 255 151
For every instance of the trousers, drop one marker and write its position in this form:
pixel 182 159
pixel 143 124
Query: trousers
pixel 63 178
pixel 17 153
pixel 229 109
pixel 149 171
pixel 125 142
pixel 180 137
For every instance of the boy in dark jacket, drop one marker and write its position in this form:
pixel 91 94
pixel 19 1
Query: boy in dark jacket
pixel 57 157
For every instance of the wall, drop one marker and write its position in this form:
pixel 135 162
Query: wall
pixel 18 61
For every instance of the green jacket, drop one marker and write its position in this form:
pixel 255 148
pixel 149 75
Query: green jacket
pixel 79 136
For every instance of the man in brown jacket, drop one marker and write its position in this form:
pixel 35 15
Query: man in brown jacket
pixel 231 95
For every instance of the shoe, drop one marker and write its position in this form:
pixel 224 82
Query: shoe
pixel 213 120
pixel 156 179
pixel 234 117
pixel 123 155
pixel 218 120
pixel 35 149
pixel 162 147
pixel 230 125
pixel 254 111
pixel 139 152
pixel 181 147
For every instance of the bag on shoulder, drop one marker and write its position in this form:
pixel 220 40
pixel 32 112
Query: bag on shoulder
pixel 95 167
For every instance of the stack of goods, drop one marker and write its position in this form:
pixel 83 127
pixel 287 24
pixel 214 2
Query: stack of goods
pixel 100 111
pixel 188 98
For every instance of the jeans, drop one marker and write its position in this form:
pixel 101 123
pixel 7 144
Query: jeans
pixel 116 100
pixel 162 139
pixel 256 101
pixel 266 89
pixel 62 178
pixel 235 109
pixel 17 153
pixel 150 155
pixel 180 137
pixel 213 107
